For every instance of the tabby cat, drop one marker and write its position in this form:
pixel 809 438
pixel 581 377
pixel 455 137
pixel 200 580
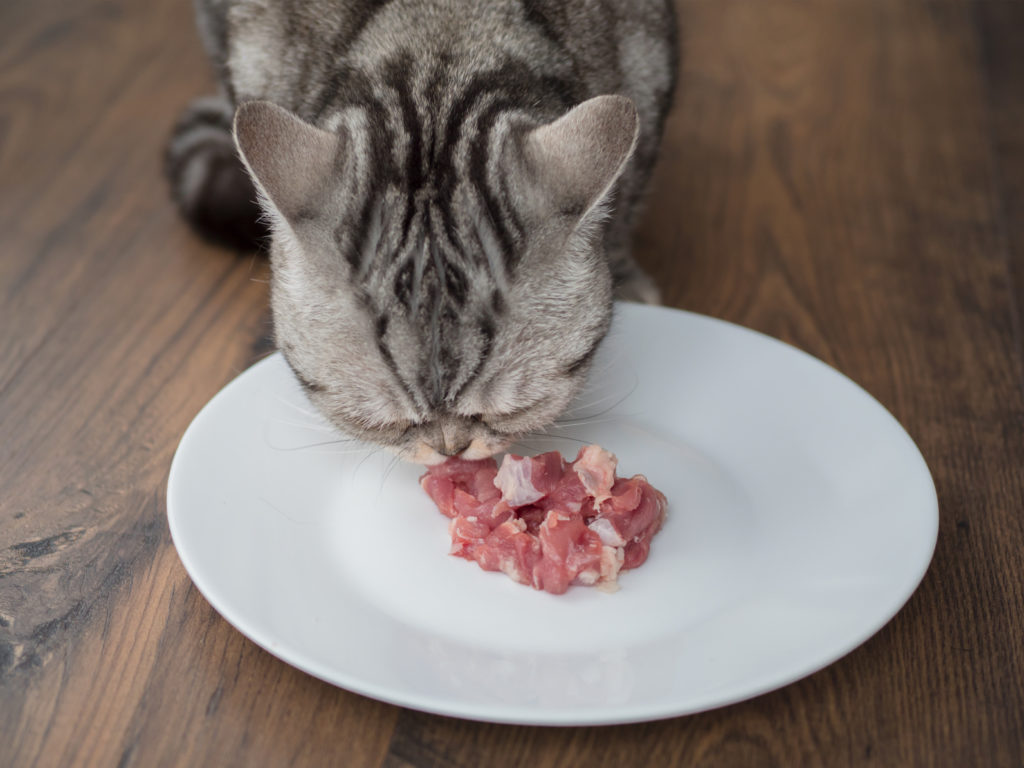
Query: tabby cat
pixel 449 188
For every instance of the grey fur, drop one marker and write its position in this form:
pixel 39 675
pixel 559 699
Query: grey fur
pixel 450 185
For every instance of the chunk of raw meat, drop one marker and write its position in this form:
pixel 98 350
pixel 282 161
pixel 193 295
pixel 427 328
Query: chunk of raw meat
pixel 596 469
pixel 473 477
pixel 524 480
pixel 546 522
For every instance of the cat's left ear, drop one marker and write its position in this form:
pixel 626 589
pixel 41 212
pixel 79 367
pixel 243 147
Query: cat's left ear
pixel 574 161
pixel 291 161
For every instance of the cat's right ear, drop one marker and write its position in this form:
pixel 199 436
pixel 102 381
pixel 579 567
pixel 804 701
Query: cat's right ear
pixel 291 161
pixel 575 160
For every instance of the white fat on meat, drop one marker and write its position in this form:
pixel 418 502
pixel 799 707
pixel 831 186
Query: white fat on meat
pixel 607 532
pixel 510 568
pixel 596 470
pixel 515 481
pixel 611 564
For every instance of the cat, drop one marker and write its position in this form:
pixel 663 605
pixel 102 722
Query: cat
pixel 448 187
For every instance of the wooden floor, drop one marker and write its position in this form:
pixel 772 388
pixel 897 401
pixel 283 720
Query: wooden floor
pixel 847 175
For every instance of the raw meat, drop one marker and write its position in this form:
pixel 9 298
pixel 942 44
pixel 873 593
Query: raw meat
pixel 547 522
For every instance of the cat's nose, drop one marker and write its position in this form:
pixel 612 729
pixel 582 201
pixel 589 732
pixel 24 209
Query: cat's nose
pixel 449 449
pixel 451 438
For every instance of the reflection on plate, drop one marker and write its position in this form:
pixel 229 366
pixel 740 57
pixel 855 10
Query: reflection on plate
pixel 801 518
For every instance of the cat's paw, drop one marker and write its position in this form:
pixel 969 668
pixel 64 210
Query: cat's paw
pixel 639 287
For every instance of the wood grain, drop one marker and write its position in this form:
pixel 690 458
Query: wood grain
pixel 1004 70
pixel 845 175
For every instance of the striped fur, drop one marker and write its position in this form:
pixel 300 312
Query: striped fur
pixel 450 204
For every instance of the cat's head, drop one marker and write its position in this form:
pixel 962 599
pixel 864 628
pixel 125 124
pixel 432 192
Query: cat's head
pixel 439 304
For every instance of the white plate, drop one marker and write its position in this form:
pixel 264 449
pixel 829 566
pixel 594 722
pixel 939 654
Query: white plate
pixel 801 518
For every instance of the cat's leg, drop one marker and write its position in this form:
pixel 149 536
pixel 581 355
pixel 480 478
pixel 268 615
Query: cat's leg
pixel 208 181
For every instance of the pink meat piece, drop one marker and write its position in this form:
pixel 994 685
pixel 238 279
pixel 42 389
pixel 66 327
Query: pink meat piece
pixel 442 491
pixel 532 516
pixel 511 550
pixel 467 534
pixel 635 511
pixel 524 480
pixel 474 477
pixel 460 469
pixel 569 494
pixel 571 553
pixel 546 522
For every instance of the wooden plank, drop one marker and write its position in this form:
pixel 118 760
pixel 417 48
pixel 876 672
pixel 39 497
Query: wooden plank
pixel 160 679
pixel 999 25
pixel 839 174
pixel 123 325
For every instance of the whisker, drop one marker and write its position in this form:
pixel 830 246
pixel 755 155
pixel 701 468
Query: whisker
pixel 540 436
pixel 580 409
pixel 622 399
pixel 337 441
pixel 584 422
pixel 598 401
pixel 304 425
pixel 306 447
pixel 390 468
pixel 520 445
pixel 299 408
pixel 597 372
pixel 533 442
pixel 376 449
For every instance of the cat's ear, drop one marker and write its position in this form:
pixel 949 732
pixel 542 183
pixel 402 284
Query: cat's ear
pixel 291 161
pixel 575 160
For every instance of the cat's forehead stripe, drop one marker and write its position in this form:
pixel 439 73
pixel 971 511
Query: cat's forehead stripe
pixel 486 327
pixel 381 329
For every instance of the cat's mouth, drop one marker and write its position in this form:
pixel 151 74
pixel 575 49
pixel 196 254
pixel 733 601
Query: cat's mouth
pixel 479 448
